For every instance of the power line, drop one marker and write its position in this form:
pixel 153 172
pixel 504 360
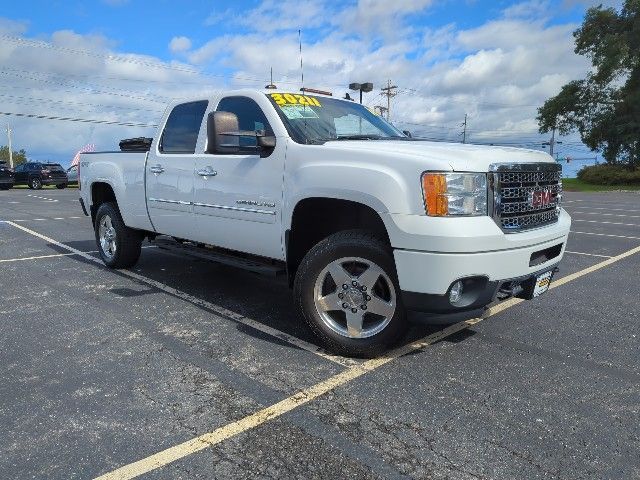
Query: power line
pixel 81 120
pixel 88 87
pixel 31 100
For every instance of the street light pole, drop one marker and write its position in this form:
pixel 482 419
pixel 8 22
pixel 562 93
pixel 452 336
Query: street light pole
pixel 362 87
pixel 9 131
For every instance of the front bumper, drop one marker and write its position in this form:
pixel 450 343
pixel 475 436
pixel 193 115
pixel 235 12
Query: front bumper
pixel 480 293
pixel 490 271
pixel 6 181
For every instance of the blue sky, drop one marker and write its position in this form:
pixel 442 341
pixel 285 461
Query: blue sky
pixel 147 27
pixel 123 60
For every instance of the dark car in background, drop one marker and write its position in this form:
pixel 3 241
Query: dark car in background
pixel 37 174
pixel 6 176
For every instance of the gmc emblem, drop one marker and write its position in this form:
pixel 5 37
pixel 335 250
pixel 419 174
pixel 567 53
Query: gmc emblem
pixel 540 198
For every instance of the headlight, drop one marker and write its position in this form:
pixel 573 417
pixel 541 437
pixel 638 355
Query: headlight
pixel 450 194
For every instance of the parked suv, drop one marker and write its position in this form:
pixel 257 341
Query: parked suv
pixel 35 175
pixel 6 176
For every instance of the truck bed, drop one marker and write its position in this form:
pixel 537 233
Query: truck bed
pixel 124 172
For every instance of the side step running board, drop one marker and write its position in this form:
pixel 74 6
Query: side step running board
pixel 254 264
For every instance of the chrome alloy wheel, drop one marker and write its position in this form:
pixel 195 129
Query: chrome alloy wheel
pixel 354 297
pixel 107 236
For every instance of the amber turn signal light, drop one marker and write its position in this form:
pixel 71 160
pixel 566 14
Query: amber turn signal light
pixel 434 186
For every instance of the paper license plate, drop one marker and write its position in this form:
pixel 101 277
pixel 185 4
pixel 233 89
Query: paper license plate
pixel 542 283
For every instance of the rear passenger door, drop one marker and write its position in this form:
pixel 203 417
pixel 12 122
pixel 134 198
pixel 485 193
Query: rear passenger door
pixel 170 171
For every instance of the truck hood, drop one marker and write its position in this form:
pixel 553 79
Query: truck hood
pixel 457 156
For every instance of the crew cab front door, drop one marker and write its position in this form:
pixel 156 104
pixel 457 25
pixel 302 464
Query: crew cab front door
pixel 238 197
pixel 170 171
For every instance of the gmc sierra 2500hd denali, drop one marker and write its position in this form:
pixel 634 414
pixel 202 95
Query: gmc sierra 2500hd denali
pixel 367 223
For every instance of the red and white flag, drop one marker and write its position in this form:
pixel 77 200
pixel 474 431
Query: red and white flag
pixel 87 148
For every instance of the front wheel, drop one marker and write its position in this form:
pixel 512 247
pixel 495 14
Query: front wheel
pixel 346 289
pixel 119 246
pixel 35 183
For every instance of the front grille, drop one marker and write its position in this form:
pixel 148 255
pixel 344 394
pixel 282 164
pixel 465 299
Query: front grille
pixel 515 188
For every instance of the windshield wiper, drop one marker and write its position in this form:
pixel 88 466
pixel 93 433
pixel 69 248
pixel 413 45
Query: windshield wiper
pixel 358 137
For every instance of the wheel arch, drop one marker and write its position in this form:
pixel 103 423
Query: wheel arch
pixel 315 218
pixel 101 192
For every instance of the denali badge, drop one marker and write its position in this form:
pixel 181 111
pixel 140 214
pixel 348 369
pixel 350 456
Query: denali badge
pixel 540 198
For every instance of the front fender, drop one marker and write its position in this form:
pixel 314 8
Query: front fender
pixel 379 187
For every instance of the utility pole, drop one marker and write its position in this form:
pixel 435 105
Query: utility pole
pixel 464 129
pixel 9 131
pixel 389 91
pixel 381 110
pixel 553 142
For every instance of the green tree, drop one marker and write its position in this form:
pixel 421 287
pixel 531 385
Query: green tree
pixel 604 107
pixel 18 157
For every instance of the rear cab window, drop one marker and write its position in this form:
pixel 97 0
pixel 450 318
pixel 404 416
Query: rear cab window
pixel 180 134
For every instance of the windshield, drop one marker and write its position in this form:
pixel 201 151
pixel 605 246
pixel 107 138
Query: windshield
pixel 311 119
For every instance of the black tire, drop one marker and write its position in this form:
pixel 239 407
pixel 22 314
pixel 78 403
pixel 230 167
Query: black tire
pixel 348 244
pixel 5 187
pixel 127 240
pixel 62 186
pixel 35 183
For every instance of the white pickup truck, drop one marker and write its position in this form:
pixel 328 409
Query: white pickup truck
pixel 367 223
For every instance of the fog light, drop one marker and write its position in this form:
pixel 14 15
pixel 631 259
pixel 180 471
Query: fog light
pixel 456 292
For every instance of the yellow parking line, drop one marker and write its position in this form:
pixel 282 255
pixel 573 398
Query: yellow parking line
pixel 258 418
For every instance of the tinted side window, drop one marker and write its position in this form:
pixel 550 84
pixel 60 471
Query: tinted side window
pixel 250 117
pixel 180 134
pixel 19 168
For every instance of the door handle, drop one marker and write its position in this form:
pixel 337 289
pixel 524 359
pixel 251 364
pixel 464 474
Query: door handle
pixel 207 172
pixel 156 169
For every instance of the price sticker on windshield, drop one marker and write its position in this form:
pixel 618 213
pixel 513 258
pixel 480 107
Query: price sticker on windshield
pixel 283 99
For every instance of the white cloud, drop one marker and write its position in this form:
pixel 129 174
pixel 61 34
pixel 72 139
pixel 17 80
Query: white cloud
pixel 179 44
pixel 497 72
pixel 528 10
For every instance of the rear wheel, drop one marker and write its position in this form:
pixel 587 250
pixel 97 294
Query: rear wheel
pixel 60 187
pixel 35 183
pixel 119 246
pixel 347 291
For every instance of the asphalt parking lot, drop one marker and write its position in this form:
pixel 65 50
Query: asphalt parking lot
pixel 180 368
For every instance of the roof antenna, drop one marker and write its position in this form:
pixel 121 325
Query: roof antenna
pixel 300 45
pixel 271 86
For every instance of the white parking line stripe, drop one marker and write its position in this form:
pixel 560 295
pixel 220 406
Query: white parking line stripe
pixel 606 223
pixel 56 255
pixel 597 202
pixel 43 219
pixel 606 235
pixel 588 254
pixel 309 347
pixel 604 208
pixel 21 259
pixel 605 214
pixel 302 397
